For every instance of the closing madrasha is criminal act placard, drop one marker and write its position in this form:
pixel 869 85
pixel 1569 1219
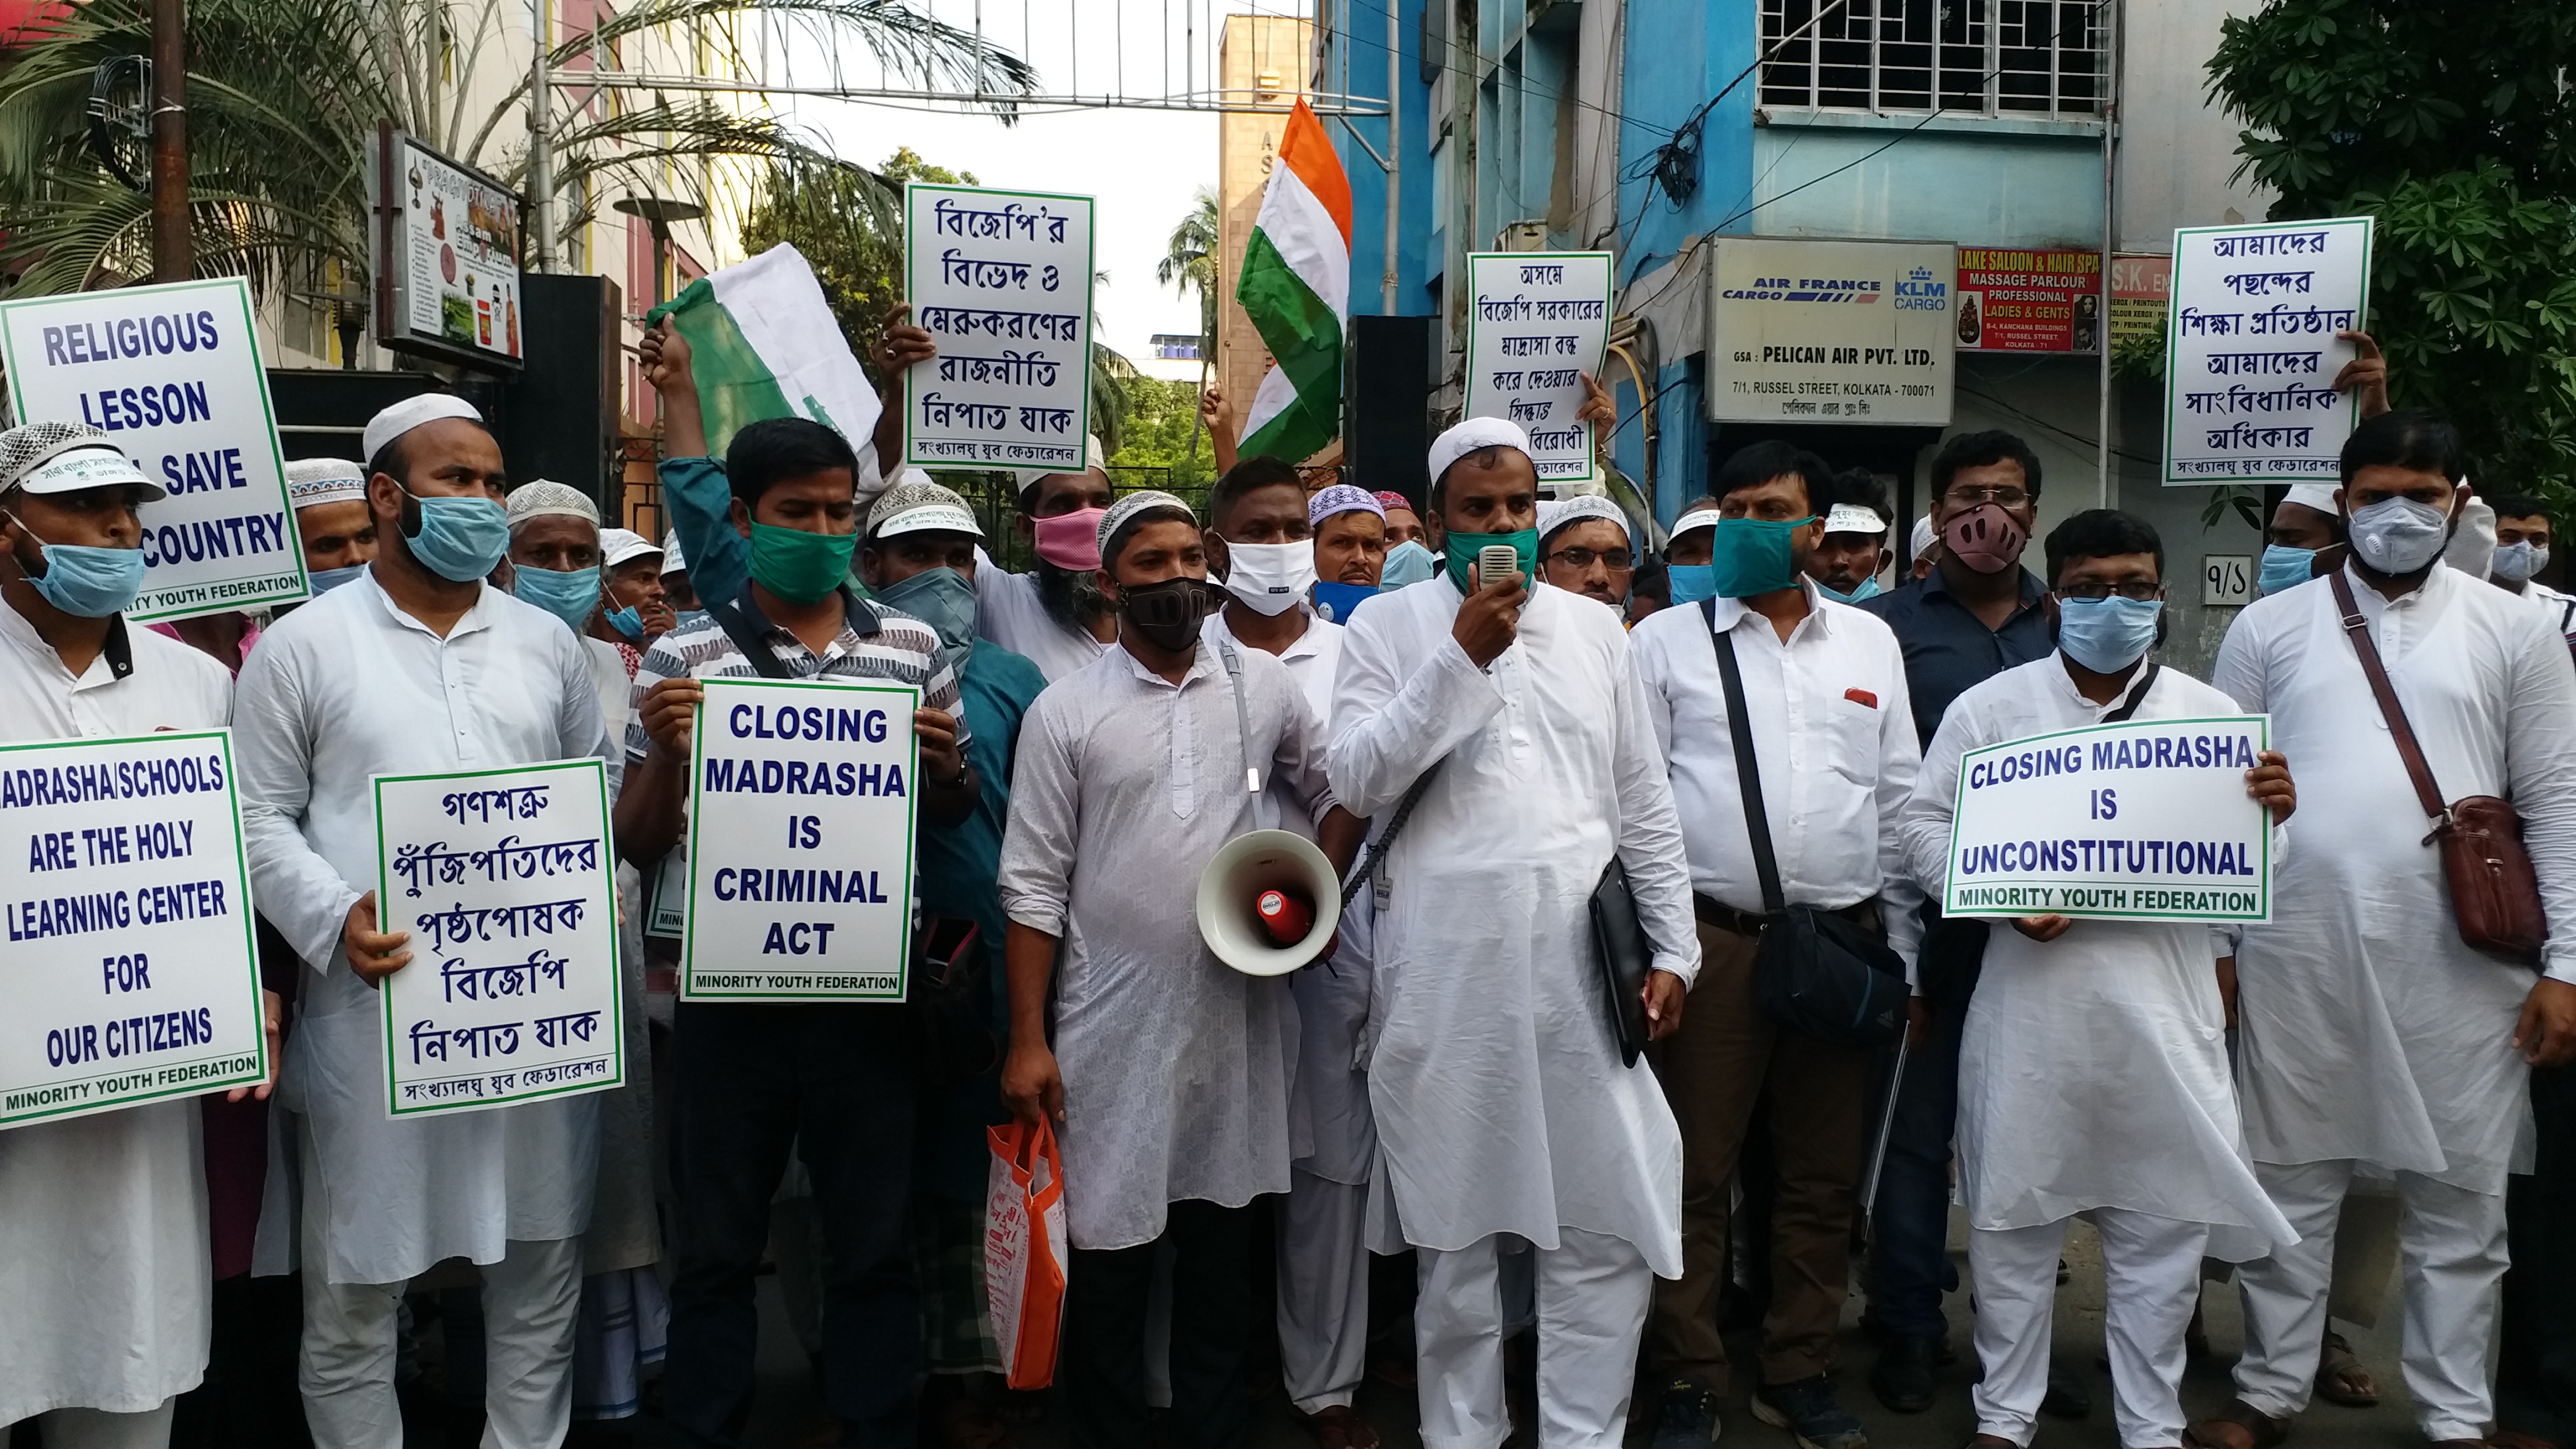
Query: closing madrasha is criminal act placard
pixel 2148 820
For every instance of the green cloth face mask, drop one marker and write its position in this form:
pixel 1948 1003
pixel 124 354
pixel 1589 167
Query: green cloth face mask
pixel 1752 556
pixel 1463 548
pixel 797 566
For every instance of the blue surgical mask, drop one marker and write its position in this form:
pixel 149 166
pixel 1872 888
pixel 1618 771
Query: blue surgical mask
pixel 1692 583
pixel 1407 563
pixel 323 581
pixel 1868 589
pixel 2285 569
pixel 1753 556
pixel 628 621
pixel 460 539
pixel 2107 635
pixel 941 598
pixel 84 581
pixel 569 595
pixel 1334 602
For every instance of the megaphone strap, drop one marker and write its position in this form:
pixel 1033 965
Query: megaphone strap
pixel 1394 827
pixel 1242 715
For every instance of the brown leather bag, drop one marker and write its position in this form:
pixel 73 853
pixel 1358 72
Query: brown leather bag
pixel 2495 896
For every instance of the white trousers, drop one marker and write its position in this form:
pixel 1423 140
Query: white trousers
pixel 2151 1267
pixel 531 1301
pixel 1323 1290
pixel 1592 1297
pixel 99 1429
pixel 2450 1246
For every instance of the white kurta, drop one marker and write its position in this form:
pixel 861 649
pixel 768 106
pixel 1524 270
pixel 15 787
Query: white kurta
pixel 2368 1030
pixel 2093 1068
pixel 106 1289
pixel 1494 1077
pixel 345 688
pixel 1175 1067
pixel 1009 612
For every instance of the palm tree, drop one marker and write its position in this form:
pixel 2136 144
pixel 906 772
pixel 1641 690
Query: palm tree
pixel 1189 263
pixel 284 98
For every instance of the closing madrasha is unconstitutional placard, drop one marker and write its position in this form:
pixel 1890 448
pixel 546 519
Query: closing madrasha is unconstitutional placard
pixel 172 375
pixel 1296 288
pixel 131 973
pixel 2141 821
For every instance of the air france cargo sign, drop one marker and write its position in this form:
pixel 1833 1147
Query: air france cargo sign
pixel 1830 331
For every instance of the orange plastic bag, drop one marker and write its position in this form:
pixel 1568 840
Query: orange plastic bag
pixel 1024 1250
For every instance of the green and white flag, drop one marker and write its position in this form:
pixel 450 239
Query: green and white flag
pixel 764 344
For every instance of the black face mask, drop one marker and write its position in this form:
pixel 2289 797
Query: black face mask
pixel 1168 612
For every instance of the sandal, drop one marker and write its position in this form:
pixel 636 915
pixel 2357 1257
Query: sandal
pixel 1341 1427
pixel 2341 1377
pixel 2259 1430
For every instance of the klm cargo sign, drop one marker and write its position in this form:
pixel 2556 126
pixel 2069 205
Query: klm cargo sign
pixel 1830 331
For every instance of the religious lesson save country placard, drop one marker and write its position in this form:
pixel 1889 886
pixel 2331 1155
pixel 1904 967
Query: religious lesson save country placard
pixel 2250 349
pixel 172 374
pixel 1002 281
pixel 1537 322
pixel 130 972
pixel 506 881
pixel 801 812
pixel 2147 820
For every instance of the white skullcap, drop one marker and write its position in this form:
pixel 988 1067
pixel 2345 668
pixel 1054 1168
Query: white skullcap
pixel 51 457
pixel 1127 508
pixel 410 413
pixel 672 562
pixel 623 545
pixel 1557 513
pixel 1924 533
pixel 313 481
pixel 1852 518
pixel 544 496
pixel 1093 456
pixel 917 505
pixel 1691 522
pixel 1471 434
pixel 2319 496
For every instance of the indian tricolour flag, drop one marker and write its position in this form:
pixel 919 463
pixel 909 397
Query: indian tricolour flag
pixel 764 344
pixel 1296 287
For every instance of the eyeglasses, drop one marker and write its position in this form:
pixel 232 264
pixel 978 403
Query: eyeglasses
pixel 2141 592
pixel 1970 497
pixel 1583 558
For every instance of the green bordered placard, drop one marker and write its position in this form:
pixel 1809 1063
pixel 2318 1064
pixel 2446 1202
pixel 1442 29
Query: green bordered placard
pixel 1002 282
pixel 2250 349
pixel 2147 820
pixel 803 802
pixel 131 969
pixel 1534 320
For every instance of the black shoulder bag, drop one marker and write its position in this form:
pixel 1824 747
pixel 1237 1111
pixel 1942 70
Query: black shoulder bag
pixel 1815 972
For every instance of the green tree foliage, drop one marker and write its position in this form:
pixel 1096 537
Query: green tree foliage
pixel 2453 125
pixel 1160 423
pixel 1189 262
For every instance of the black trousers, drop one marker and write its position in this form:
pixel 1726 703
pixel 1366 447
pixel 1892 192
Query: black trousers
pixel 1103 1355
pixel 837 1082
pixel 2536 1371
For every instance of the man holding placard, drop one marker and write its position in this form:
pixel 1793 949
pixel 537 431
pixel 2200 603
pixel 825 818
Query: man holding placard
pixel 103 1257
pixel 2375 1041
pixel 2093 1073
pixel 418 667
pixel 835 1078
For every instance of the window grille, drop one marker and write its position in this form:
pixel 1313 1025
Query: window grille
pixel 1974 57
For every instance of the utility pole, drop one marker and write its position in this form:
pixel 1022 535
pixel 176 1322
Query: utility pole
pixel 1394 151
pixel 541 170
pixel 173 257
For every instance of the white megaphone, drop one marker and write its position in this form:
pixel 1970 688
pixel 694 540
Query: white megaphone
pixel 1230 902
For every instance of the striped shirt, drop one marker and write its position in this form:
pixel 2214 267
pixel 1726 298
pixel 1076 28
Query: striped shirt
pixel 875 643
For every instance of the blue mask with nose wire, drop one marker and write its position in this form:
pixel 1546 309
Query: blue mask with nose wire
pixel 459 539
pixel 84 581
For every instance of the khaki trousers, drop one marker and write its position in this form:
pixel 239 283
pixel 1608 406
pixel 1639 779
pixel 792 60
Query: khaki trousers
pixel 1714 1070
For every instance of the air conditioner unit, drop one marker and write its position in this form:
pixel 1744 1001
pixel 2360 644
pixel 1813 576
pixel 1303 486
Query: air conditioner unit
pixel 1521 236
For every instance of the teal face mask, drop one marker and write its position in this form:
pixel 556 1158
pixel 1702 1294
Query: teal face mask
pixel 1407 563
pixel 1692 583
pixel 797 566
pixel 1751 555
pixel 941 598
pixel 1868 589
pixel 1463 548
pixel 568 595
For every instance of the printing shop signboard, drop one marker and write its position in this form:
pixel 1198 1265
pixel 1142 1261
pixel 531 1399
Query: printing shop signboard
pixel 172 375
pixel 2145 821
pixel 506 881
pixel 1830 331
pixel 803 799
pixel 130 972
pixel 1002 281
pixel 2251 350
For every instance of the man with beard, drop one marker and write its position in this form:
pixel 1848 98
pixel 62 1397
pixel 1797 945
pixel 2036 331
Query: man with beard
pixel 1583 548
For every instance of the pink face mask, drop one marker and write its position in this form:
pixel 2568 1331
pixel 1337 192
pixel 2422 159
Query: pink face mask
pixel 1071 540
pixel 1985 538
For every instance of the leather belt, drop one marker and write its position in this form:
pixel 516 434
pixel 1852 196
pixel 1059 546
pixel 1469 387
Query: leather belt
pixel 1749 924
